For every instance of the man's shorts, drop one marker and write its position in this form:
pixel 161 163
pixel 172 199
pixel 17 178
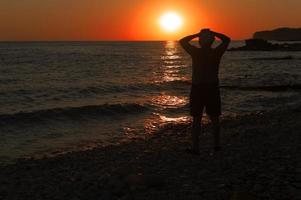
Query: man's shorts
pixel 205 96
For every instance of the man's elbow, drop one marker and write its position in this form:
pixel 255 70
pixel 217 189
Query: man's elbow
pixel 226 40
pixel 182 42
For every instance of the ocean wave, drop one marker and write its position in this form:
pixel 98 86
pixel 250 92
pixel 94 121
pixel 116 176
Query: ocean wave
pixel 181 84
pixel 93 91
pixel 277 58
pixel 57 94
pixel 178 82
pixel 273 88
pixel 73 113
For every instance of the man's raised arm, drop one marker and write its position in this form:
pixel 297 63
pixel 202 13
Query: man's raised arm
pixel 185 42
pixel 225 41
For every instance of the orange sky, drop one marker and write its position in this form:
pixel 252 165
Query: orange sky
pixel 138 19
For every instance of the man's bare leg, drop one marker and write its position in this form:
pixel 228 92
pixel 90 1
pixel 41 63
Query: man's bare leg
pixel 196 131
pixel 216 132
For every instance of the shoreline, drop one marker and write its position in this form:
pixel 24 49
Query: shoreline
pixel 261 159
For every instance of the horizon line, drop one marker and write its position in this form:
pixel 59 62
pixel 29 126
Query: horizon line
pixel 2 41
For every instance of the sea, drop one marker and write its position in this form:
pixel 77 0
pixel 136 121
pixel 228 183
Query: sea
pixel 68 96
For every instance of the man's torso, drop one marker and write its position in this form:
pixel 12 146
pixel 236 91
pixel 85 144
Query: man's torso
pixel 205 66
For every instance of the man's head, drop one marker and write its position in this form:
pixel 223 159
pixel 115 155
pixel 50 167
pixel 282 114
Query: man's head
pixel 206 38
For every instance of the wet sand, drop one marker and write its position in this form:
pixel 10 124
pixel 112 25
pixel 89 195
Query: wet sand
pixel 261 159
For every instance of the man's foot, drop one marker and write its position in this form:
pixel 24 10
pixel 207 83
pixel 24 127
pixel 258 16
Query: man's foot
pixel 195 152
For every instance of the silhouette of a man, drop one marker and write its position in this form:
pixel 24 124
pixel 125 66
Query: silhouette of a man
pixel 205 91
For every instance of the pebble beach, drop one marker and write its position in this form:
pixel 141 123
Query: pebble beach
pixel 260 159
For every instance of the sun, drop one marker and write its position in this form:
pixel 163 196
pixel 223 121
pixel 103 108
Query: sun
pixel 170 21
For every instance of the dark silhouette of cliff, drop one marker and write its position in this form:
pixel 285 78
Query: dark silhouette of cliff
pixel 280 34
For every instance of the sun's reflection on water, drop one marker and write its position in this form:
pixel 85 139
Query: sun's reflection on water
pixel 172 68
pixel 171 53
pixel 170 57
pixel 169 111
pixel 160 121
pixel 169 108
pixel 182 119
pixel 166 101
